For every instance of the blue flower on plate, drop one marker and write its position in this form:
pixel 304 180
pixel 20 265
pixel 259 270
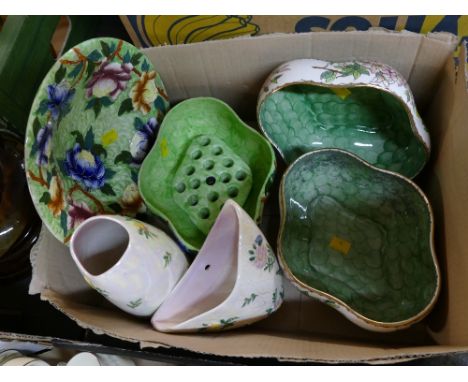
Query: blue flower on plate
pixel 85 167
pixel 59 97
pixel 143 140
pixel 43 138
pixel 259 240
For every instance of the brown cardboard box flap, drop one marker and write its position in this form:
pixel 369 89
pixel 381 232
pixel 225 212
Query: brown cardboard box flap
pixel 249 342
pixel 305 330
pixel 234 70
pixel 446 184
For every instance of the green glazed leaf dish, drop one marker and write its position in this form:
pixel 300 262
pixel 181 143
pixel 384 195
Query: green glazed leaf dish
pixel 359 239
pixel 203 156
pixel 92 122
pixel 366 108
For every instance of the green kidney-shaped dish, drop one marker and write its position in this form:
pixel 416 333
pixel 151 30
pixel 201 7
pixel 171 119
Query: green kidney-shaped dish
pixel 366 108
pixel 203 156
pixel 358 238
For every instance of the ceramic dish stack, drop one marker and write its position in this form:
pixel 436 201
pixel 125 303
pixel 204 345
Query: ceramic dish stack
pixel 95 118
pixel 103 152
pixel 356 233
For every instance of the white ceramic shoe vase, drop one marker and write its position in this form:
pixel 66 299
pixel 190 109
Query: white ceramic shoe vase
pixel 235 280
pixel 131 263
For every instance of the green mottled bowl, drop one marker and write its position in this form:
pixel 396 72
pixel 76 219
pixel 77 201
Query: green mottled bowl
pixel 203 156
pixel 94 118
pixel 359 239
pixel 366 108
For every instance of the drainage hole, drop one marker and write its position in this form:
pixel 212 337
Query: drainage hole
pixel 210 180
pixel 207 267
pixel 192 200
pixel 241 175
pixel 233 192
pixel 225 177
pixel 208 164
pixel 204 213
pixel 213 196
pixel 217 150
pixel 180 187
pixel 227 162
pixel 189 170
pixel 196 154
pixel 205 141
pixel 194 184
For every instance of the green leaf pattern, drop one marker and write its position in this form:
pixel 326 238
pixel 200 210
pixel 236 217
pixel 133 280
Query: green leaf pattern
pixel 378 73
pixel 353 69
pixel 167 259
pixel 276 299
pixel 222 324
pixel 249 299
pixel 135 304
pixel 126 106
pixel 45 198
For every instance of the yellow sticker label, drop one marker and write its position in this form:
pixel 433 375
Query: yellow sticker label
pixel 164 148
pixel 341 245
pixel 343 93
pixel 109 137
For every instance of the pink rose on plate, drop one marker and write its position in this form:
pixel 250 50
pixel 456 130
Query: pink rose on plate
pixel 262 256
pixel 78 213
pixel 261 252
pixel 386 75
pixel 109 80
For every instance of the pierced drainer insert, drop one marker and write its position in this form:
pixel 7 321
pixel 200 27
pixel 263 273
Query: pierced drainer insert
pixel 209 174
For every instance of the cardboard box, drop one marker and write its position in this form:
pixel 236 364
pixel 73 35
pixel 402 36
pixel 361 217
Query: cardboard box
pixel 303 329
pixel 154 30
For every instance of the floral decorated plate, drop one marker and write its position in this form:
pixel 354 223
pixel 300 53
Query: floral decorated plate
pixel 359 239
pixel 94 118
pixel 203 156
pixel 366 108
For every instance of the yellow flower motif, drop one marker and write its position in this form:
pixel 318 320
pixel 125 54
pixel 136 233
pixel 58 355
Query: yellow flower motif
pixel 214 326
pixel 164 148
pixel 144 92
pixel 139 225
pixel 56 203
pixel 143 229
pixel 109 137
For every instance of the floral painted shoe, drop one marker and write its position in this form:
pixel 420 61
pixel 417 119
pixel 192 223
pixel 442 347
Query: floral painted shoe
pixel 235 280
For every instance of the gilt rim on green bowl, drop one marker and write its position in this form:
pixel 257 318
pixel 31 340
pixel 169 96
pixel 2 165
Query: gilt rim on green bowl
pixel 327 297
